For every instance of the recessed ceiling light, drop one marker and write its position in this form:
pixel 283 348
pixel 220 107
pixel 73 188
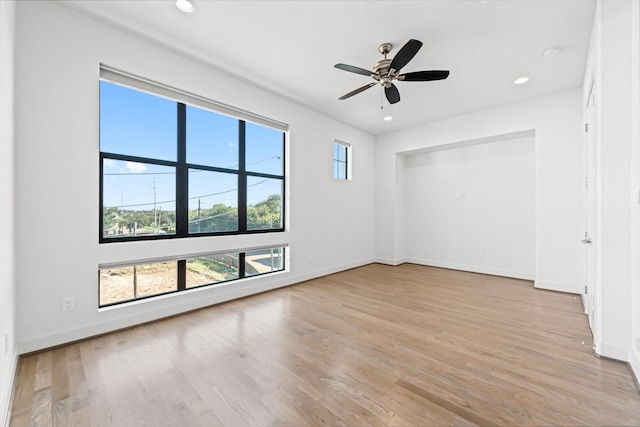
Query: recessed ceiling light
pixel 521 80
pixel 551 52
pixel 388 118
pixel 187 6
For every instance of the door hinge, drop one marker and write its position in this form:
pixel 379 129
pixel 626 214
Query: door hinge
pixel 586 181
pixel 586 290
pixel 586 127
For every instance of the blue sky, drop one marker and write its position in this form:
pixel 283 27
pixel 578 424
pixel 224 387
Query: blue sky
pixel 139 124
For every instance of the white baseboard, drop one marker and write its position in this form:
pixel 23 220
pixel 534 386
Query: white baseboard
pixel 148 310
pixel 6 393
pixel 472 268
pixel 634 364
pixel 613 351
pixel 559 287
pixel 393 262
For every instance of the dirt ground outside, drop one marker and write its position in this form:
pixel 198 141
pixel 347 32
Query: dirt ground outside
pixel 117 284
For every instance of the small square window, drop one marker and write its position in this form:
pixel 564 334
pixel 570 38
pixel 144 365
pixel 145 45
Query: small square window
pixel 341 160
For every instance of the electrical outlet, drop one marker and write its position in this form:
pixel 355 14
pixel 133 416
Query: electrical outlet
pixel 68 303
pixel 467 253
pixel 481 254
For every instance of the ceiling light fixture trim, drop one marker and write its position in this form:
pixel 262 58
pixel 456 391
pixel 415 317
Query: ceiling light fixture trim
pixel 187 6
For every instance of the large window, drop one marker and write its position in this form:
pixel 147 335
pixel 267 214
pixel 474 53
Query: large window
pixel 171 169
pixel 131 282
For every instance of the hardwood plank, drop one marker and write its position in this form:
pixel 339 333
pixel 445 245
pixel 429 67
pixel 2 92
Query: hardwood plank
pixel 376 345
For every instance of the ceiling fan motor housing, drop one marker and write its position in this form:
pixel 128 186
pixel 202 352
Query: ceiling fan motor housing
pixel 382 67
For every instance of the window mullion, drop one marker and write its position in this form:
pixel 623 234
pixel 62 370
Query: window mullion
pixel 182 175
pixel 182 275
pixel 242 178
pixel 241 265
pixel 346 162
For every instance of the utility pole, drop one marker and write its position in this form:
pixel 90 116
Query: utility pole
pixel 120 212
pixel 155 212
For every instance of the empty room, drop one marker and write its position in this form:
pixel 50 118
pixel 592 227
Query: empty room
pixel 292 213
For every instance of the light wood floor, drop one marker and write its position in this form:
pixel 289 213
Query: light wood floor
pixel 377 345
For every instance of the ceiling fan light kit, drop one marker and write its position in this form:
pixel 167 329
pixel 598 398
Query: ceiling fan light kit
pixel 386 71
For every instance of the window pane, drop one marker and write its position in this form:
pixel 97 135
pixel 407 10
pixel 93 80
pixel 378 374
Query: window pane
pixel 264 203
pixel 340 152
pixel 213 201
pixel 127 283
pixel 264 261
pixel 340 161
pixel 136 123
pixel 116 285
pixel 264 149
pixel 212 139
pixel 138 199
pixel 340 169
pixel 210 269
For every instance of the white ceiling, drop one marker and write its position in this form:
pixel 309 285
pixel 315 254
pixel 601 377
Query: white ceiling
pixel 290 48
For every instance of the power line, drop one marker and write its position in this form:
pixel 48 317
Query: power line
pixel 190 198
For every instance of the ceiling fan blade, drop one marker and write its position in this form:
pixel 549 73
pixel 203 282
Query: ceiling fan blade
pixel 392 94
pixel 357 91
pixel 424 76
pixel 405 54
pixel 352 69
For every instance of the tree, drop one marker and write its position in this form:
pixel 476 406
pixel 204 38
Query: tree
pixel 266 214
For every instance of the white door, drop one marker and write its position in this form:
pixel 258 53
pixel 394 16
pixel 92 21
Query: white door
pixel 590 194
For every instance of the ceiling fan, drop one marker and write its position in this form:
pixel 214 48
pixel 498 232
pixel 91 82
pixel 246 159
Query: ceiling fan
pixel 386 71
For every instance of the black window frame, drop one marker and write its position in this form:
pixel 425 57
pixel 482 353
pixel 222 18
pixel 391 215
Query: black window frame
pixel 182 182
pixel 182 272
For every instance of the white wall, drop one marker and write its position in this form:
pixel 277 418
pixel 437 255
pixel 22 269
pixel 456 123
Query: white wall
pixel 557 122
pixel 634 353
pixel 57 179
pixel 473 208
pixel 8 356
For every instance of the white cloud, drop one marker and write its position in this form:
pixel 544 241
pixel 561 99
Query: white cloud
pixel 232 145
pixel 135 167
pixel 109 163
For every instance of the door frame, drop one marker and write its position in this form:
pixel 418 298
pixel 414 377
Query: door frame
pixel 591 297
